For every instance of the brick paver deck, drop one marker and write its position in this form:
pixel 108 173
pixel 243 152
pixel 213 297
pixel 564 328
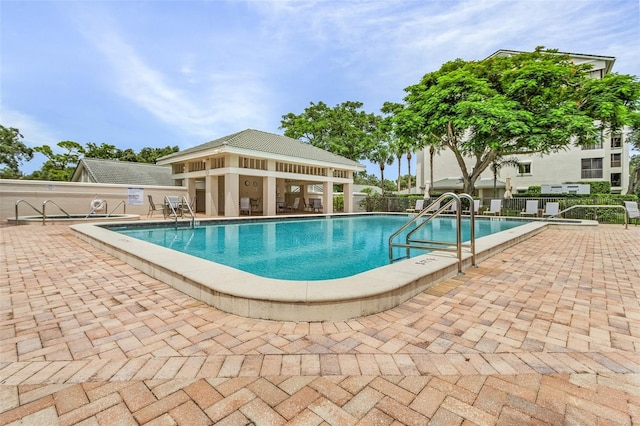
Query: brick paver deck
pixel 547 332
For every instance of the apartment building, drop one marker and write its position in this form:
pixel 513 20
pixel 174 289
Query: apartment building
pixel 607 160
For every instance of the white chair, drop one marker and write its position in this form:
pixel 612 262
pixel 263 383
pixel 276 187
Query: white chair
pixel 280 206
pixel 316 204
pixel 495 208
pixel 245 205
pixel 632 210
pixel 551 209
pixel 173 206
pixel 453 208
pixel 296 204
pixel 531 208
pixel 476 207
pixel 418 206
pixel 153 207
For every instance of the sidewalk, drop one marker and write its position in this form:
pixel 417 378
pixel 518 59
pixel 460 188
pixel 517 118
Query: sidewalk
pixel 547 332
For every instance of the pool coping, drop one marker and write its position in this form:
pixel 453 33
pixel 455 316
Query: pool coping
pixel 249 295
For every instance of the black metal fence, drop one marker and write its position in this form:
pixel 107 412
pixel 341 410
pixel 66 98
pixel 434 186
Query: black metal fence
pixel 514 206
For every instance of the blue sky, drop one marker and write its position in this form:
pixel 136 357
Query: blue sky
pixel 157 73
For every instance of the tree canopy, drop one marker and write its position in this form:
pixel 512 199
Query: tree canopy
pixel 61 162
pixel 13 152
pixel 532 102
pixel 344 130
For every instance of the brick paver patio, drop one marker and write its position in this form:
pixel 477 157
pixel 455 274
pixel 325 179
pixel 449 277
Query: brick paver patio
pixel 547 332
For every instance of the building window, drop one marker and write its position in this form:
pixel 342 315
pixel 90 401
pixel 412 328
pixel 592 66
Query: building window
pixel 616 179
pixel 616 160
pixel 591 168
pixel 597 145
pixel 616 141
pixel 524 169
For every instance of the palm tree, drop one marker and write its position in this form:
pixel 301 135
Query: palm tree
pixel 381 155
pixel 499 163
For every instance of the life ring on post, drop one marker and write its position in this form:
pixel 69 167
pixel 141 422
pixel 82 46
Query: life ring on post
pixel 97 204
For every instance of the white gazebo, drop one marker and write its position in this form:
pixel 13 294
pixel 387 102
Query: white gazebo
pixel 271 170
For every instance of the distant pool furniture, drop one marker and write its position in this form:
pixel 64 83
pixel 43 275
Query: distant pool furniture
pixel 153 207
pixel 551 209
pixel 495 208
pixel 173 206
pixel 315 204
pixel 419 205
pixel 245 205
pixel 296 204
pixel 280 205
pixel 453 208
pixel 632 210
pixel 531 208
pixel 476 207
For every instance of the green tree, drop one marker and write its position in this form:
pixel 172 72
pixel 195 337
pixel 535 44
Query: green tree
pixel 344 130
pixel 59 166
pixel 533 102
pixel 13 152
pixel 381 155
pixel 151 155
pixel 104 151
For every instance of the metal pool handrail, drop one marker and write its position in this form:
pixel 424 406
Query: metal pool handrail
pixel 444 202
pixel 44 205
pixel 30 205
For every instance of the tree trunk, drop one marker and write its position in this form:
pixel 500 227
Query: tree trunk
pixel 432 153
pixel 399 164
pixel 409 163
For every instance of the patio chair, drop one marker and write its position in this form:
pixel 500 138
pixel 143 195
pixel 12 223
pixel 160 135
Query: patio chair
pixel 476 207
pixel 417 207
pixel 296 204
pixel 173 206
pixel 632 210
pixel 316 204
pixel 453 208
pixel 280 206
pixel 153 207
pixel 531 208
pixel 551 209
pixel 495 208
pixel 245 205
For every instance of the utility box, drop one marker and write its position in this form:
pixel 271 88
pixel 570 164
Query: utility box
pixel 566 188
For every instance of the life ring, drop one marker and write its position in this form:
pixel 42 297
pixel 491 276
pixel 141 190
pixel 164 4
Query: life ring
pixel 97 204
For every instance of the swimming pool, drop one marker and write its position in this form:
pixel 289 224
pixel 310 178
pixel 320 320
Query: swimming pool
pixel 246 294
pixel 306 248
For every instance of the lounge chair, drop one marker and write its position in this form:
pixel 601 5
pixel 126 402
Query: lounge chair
pixel 434 208
pixel 417 207
pixel 495 208
pixel 632 210
pixel 531 208
pixel 316 204
pixel 452 208
pixel 245 205
pixel 280 206
pixel 476 207
pixel 551 209
pixel 153 207
pixel 296 204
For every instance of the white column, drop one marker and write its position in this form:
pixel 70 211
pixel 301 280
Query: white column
pixel 211 196
pixel 347 190
pixel 269 196
pixel 327 195
pixel 231 195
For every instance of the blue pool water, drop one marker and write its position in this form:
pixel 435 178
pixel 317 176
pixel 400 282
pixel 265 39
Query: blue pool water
pixel 305 249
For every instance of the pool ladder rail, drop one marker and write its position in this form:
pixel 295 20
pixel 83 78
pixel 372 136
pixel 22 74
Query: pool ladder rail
pixel 440 205
pixel 177 208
